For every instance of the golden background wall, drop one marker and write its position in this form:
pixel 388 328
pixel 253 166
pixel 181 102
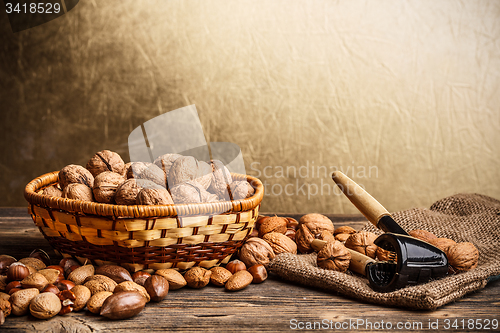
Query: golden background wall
pixel 404 96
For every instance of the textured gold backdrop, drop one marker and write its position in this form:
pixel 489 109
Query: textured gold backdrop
pixel 402 95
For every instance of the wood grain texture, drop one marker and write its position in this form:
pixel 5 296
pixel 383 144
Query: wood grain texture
pixel 266 307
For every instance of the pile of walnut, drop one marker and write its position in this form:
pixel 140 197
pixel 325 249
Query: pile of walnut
pixel 275 235
pixel 172 178
pixel 32 285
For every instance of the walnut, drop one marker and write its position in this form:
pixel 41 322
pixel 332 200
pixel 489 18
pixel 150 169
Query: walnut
pixel 184 169
pixel 149 196
pixel 78 192
pixel 105 186
pixel 311 225
pixel 75 174
pixel 342 237
pixel 280 243
pixel 126 193
pixel 334 256
pixel 165 162
pixel 127 169
pixel 273 224
pixel 152 173
pixel 53 191
pixel 241 190
pixel 191 192
pixel 442 243
pixel 385 255
pixel 363 243
pixel 105 160
pixel 205 174
pixel 463 256
pixel 136 168
pixel 344 230
pixel 422 235
pixel 221 179
pixel 256 251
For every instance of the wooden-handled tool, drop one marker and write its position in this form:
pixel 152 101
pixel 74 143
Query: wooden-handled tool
pixel 358 261
pixel 367 205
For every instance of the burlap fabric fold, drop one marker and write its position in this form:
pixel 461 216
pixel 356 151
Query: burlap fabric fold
pixel 463 217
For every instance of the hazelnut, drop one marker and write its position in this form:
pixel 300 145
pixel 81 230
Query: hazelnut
pixel 280 243
pixel 36 263
pixel 12 285
pixel 132 286
pixel 165 162
pixel 105 161
pixel 140 277
pixel 105 186
pixel 363 242
pixel 5 262
pixel 96 301
pixel 256 251
pixel 235 265
pixel 259 273
pixel 156 287
pixel 20 300
pixel 65 285
pixel 174 278
pixel 463 256
pixel 241 189
pixel 334 256
pixel 66 263
pixel 221 180
pixel 75 174
pixel 17 271
pixel 149 196
pixel 50 288
pixel 67 298
pixel 82 296
pixel 114 272
pixel 311 225
pixel 81 273
pixel 126 193
pixel 422 235
pixel 45 306
pixel 123 305
pixel 219 276
pixel 273 224
pixel 53 191
pixel 78 192
pixel 97 283
pixel 35 280
pixel 239 281
pixel 197 277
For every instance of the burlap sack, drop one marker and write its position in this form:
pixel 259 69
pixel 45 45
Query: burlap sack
pixel 464 217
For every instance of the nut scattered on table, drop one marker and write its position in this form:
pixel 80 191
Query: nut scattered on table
pixel 311 225
pixel 45 306
pixel 219 276
pixel 197 277
pixel 239 281
pixel 334 256
pixel 174 278
pixel 123 305
pixel 256 251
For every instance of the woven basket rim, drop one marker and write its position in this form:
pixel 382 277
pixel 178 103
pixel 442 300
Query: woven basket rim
pixel 139 211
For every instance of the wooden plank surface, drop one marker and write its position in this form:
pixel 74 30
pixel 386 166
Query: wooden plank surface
pixel 275 305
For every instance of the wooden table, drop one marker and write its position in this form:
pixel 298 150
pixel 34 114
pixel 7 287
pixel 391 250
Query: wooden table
pixel 275 305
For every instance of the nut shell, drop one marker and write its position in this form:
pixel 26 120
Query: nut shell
pixel 221 179
pixel 35 280
pixel 219 276
pixel 132 286
pixel 259 273
pixel 344 230
pixel 53 191
pixel 150 196
pixel 311 225
pixel 97 283
pixel 17 271
pixel 156 287
pixel 105 160
pixel 422 235
pixel 82 295
pixel 241 189
pixel 36 263
pixel 463 256
pixel 256 251
pixel 280 243
pixel 154 174
pixel 126 193
pixel 20 300
pixel 334 256
pixel 239 281
pixel 96 301
pixel 5 306
pixel 273 224
pixel 45 306
pixel 105 186
pixel 363 242
pixel 174 278
pixel 197 277
pixel 165 162
pixel 442 243
pixel 184 169
pixel 114 272
pixel 80 274
pixel 77 191
pixel 190 192
pixel 123 305
pixel 75 174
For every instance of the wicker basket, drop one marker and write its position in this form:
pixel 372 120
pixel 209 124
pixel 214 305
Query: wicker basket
pixel 144 237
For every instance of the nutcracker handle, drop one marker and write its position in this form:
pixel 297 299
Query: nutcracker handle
pixel 358 261
pixel 363 201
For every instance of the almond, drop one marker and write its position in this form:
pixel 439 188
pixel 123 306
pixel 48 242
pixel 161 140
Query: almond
pixel 174 278
pixel 239 280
